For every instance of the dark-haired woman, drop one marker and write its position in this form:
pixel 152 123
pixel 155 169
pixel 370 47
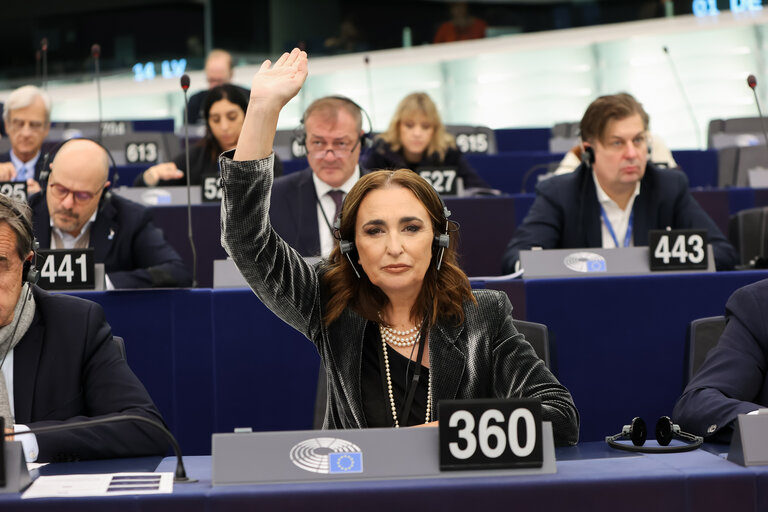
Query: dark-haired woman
pixel 224 110
pixel 390 300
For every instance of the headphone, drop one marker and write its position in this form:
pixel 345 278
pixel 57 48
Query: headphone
pixel 366 138
pixel 440 242
pixel 51 154
pixel 29 273
pixel 665 432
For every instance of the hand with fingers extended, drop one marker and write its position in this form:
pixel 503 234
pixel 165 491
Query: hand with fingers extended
pixel 161 172
pixel 7 171
pixel 279 82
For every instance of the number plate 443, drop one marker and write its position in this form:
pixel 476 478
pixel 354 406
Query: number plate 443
pixel 490 434
pixel 678 249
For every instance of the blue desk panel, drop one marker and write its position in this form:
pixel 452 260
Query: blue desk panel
pixel 619 343
pixel 588 478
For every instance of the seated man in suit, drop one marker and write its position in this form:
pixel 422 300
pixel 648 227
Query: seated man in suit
pixel 219 69
pixel 616 195
pixel 733 379
pixel 76 211
pixel 59 364
pixel 27 117
pixel 305 204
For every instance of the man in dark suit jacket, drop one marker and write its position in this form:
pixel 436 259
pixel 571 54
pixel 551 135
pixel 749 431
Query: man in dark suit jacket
pixel 76 212
pixel 27 118
pixel 65 366
pixel 615 196
pixel 302 207
pixel 734 377
pixel 219 69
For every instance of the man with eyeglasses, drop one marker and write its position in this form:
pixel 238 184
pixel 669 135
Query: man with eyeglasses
pixel 305 204
pixel 76 211
pixel 27 118
pixel 616 195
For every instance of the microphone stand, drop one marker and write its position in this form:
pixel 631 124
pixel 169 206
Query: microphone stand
pixel 185 87
pixel 687 100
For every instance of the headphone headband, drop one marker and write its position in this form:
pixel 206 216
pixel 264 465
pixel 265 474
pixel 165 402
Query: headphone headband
pixel 665 432
pixel 45 171
pixel 366 138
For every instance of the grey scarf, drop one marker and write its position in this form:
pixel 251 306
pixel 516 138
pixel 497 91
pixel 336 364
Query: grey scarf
pixel 24 312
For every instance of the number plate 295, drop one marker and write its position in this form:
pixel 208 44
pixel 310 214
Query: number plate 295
pixel 490 434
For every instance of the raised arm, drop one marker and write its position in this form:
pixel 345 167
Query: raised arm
pixel 272 87
pixel 276 273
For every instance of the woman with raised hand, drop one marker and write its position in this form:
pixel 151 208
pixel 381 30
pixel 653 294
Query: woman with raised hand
pixel 390 301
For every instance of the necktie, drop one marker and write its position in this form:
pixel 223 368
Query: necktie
pixel 338 198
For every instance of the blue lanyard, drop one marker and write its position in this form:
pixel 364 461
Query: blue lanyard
pixel 628 236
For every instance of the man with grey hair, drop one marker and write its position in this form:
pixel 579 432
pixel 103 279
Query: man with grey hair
pixel 58 364
pixel 27 117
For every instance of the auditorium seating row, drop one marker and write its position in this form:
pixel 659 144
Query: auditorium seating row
pixel 486 226
pixel 214 360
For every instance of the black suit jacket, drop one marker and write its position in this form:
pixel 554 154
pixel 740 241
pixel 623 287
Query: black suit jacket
pixel 6 157
pixel 566 214
pixel 293 211
pixel 134 251
pixel 67 369
pixel 734 377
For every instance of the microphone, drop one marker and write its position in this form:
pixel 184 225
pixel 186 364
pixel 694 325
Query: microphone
pixel 181 473
pixel 752 83
pixel 185 87
pixel 687 100
pixel 44 50
pixel 96 52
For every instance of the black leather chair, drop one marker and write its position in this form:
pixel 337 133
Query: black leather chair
pixel 703 335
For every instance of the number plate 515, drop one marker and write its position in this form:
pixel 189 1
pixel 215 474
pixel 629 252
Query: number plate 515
pixel 490 434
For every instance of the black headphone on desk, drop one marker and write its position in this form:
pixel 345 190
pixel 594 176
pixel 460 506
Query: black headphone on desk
pixel 665 432
pixel 440 243
pixel 29 273
pixel 366 138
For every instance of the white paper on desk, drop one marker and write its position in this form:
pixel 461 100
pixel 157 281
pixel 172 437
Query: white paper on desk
pixel 112 484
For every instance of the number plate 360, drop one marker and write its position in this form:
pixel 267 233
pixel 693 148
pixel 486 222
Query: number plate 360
pixel 490 434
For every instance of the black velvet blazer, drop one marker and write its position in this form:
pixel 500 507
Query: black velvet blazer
pixel 482 358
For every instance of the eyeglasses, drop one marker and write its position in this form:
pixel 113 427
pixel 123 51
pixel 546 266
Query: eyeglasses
pixel 35 126
pixel 79 196
pixel 318 148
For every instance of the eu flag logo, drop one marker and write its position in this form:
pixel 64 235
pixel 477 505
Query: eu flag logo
pixel 596 266
pixel 345 462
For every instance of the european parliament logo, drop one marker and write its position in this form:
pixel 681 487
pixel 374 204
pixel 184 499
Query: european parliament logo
pixel 327 455
pixel 585 261
pixel 351 462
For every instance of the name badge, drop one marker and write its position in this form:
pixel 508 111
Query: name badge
pixel 442 180
pixel 14 189
pixel 141 152
pixel 66 269
pixel 211 188
pixel 490 434
pixel 678 249
pixel 472 142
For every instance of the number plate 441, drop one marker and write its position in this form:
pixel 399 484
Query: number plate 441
pixel 490 434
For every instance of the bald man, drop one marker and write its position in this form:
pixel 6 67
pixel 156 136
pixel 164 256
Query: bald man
pixel 219 69
pixel 76 211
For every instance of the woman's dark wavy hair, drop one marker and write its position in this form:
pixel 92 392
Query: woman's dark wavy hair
pixel 220 92
pixel 442 293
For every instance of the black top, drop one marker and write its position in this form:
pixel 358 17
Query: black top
pixel 381 156
pixel 376 404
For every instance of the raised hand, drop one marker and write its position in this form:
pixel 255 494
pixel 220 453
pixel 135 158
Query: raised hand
pixel 278 83
pixel 272 87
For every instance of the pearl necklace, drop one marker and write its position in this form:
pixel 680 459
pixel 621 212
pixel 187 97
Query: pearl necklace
pixel 428 415
pixel 400 338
